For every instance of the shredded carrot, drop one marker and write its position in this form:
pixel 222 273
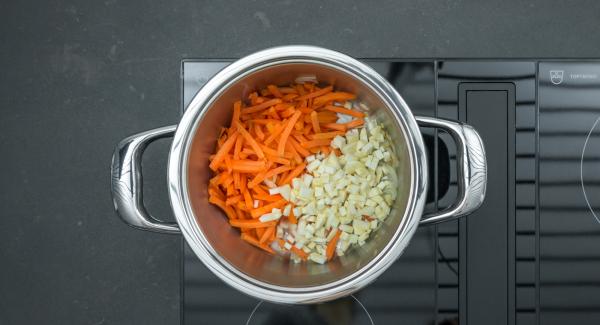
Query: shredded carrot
pixel 255 213
pixel 251 223
pixel 266 143
pixel 259 132
pixel 354 123
pixel 267 197
pixel 335 96
pixel 294 173
pixel 228 210
pixel 300 253
pixel 331 245
pixel 261 106
pixel 274 91
pixel 315 122
pixel 250 140
pixel 277 129
pixel 220 155
pixel 317 93
pixel 267 234
pixel 286 132
pixel 262 176
pixel 251 240
pixel 292 217
pixel 290 147
pixel 326 135
pixel 343 110
pixel 233 199
pixel 315 143
pixel 301 150
pixel 335 126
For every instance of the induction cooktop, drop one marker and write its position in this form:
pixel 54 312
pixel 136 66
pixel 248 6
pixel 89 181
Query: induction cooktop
pixel 529 255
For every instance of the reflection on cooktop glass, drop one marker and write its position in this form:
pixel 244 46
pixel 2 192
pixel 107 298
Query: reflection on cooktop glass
pixel 529 255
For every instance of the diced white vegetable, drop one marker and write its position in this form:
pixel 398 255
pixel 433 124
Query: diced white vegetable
pixel 287 209
pixel 269 217
pixel 338 190
pixel 318 258
pixel 346 228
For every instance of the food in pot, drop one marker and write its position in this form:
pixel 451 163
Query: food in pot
pixel 302 172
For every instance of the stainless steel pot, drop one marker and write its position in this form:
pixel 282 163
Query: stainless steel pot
pixel 219 246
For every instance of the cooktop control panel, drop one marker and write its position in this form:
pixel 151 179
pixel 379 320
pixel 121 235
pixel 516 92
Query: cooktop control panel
pixel 529 255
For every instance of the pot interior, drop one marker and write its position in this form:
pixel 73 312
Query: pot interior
pixel 225 240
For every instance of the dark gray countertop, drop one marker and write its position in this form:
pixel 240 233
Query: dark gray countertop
pixel 77 77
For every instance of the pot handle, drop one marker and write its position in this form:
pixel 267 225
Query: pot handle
pixel 472 169
pixel 126 181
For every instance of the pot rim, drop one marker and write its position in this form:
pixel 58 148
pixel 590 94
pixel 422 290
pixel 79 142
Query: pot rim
pixel 178 162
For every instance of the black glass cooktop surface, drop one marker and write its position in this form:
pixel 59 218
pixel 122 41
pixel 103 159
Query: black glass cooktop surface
pixel 529 255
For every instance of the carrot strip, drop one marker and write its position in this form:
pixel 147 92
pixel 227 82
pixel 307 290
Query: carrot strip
pixel 279 160
pixel 300 253
pixel 261 106
pixel 277 129
pixel 228 210
pixel 239 213
pixel 315 143
pixel 289 147
pixel 354 123
pixel 263 121
pixel 326 118
pixel 259 132
pixel 289 97
pixel 247 199
pixel 228 164
pixel 300 137
pixel 292 218
pixel 335 126
pixel 286 132
pixel 274 91
pixel 250 140
pixel 267 198
pixel 262 176
pixel 238 147
pixel 255 213
pixel 247 166
pixel 257 179
pixel 301 150
pixel 249 239
pixel 335 96
pixel 233 199
pixel 294 173
pixel 317 93
pixel 288 112
pixel 332 243
pixel 237 107
pixel 252 223
pixel 343 110
pixel 236 180
pixel 216 192
pixel 220 155
pixel 266 235
pixel 315 122
pixel 326 135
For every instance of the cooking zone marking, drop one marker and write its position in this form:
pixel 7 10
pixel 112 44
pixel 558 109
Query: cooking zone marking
pixel 581 169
